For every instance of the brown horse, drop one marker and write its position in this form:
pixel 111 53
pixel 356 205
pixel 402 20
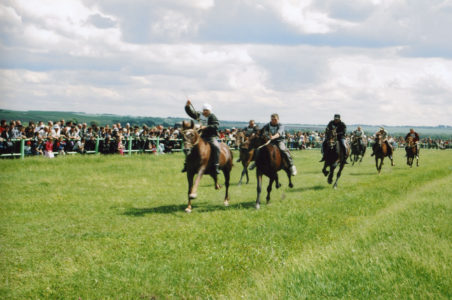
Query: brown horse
pixel 199 162
pixel 411 152
pixel 269 161
pixel 246 154
pixel 381 151
pixel 334 156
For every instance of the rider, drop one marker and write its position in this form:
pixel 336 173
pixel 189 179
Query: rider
pixel 359 134
pixel 384 137
pixel 341 128
pixel 251 128
pixel 277 137
pixel 415 137
pixel 209 131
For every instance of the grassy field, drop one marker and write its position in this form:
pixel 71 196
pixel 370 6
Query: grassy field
pixel 100 227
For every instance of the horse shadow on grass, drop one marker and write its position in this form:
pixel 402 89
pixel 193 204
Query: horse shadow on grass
pixel 362 174
pixel 309 188
pixel 173 209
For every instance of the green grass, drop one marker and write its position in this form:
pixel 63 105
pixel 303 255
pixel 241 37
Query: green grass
pixel 99 227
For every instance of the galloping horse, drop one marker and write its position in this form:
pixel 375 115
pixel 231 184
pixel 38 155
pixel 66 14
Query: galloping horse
pixel 199 162
pixel 246 153
pixel 334 155
pixel 269 161
pixel 357 149
pixel 411 152
pixel 381 151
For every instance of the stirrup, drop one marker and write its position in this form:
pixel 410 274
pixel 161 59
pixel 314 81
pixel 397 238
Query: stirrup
pixel 252 166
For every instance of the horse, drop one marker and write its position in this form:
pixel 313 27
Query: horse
pixel 411 152
pixel 246 154
pixel 199 162
pixel 269 160
pixel 381 151
pixel 334 156
pixel 357 149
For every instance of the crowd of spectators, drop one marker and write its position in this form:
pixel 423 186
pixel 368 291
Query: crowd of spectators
pixel 60 137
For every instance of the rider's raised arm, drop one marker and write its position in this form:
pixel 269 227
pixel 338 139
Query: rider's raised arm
pixel 190 110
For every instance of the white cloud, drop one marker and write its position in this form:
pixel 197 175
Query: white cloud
pixel 286 57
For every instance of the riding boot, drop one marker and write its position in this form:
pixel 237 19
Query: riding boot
pixel 216 155
pixel 344 151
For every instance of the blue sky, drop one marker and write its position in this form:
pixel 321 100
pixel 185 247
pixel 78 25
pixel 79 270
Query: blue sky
pixel 374 61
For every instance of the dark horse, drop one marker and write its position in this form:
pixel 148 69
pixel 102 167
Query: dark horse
pixel 411 152
pixel 246 154
pixel 334 156
pixel 199 162
pixel 269 161
pixel 382 149
pixel 357 149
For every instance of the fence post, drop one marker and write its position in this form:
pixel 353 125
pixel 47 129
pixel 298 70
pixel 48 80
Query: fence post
pixel 130 145
pixel 22 148
pixel 96 149
pixel 158 144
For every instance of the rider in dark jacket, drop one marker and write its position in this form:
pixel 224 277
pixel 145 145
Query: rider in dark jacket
pixel 341 128
pixel 209 131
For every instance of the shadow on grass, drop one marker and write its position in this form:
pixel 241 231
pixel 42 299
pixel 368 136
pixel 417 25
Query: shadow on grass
pixel 172 209
pixel 309 188
pixel 364 174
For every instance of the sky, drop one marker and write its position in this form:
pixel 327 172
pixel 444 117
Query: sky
pixel 374 62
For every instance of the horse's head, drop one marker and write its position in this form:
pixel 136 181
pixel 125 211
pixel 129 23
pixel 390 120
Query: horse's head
pixel 259 138
pixel 331 137
pixel 410 141
pixel 190 134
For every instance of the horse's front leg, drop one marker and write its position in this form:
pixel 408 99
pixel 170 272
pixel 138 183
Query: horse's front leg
pixel 289 175
pixel 190 176
pixel 227 176
pixel 277 184
pixel 193 192
pixel 330 176
pixel 259 189
pixel 269 188
pixel 325 172
pixel 338 175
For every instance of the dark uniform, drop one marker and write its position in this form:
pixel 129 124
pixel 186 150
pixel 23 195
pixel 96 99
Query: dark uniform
pixel 341 129
pixel 209 134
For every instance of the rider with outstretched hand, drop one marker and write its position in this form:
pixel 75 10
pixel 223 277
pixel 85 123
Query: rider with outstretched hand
pixel 209 131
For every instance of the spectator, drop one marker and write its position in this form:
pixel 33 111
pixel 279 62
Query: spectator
pixel 49 148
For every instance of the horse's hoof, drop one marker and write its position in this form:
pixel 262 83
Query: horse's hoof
pixel 217 187
pixel 291 185
pixel 278 185
pixel 192 196
pixel 258 206
pixel 226 203
pixel 188 210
